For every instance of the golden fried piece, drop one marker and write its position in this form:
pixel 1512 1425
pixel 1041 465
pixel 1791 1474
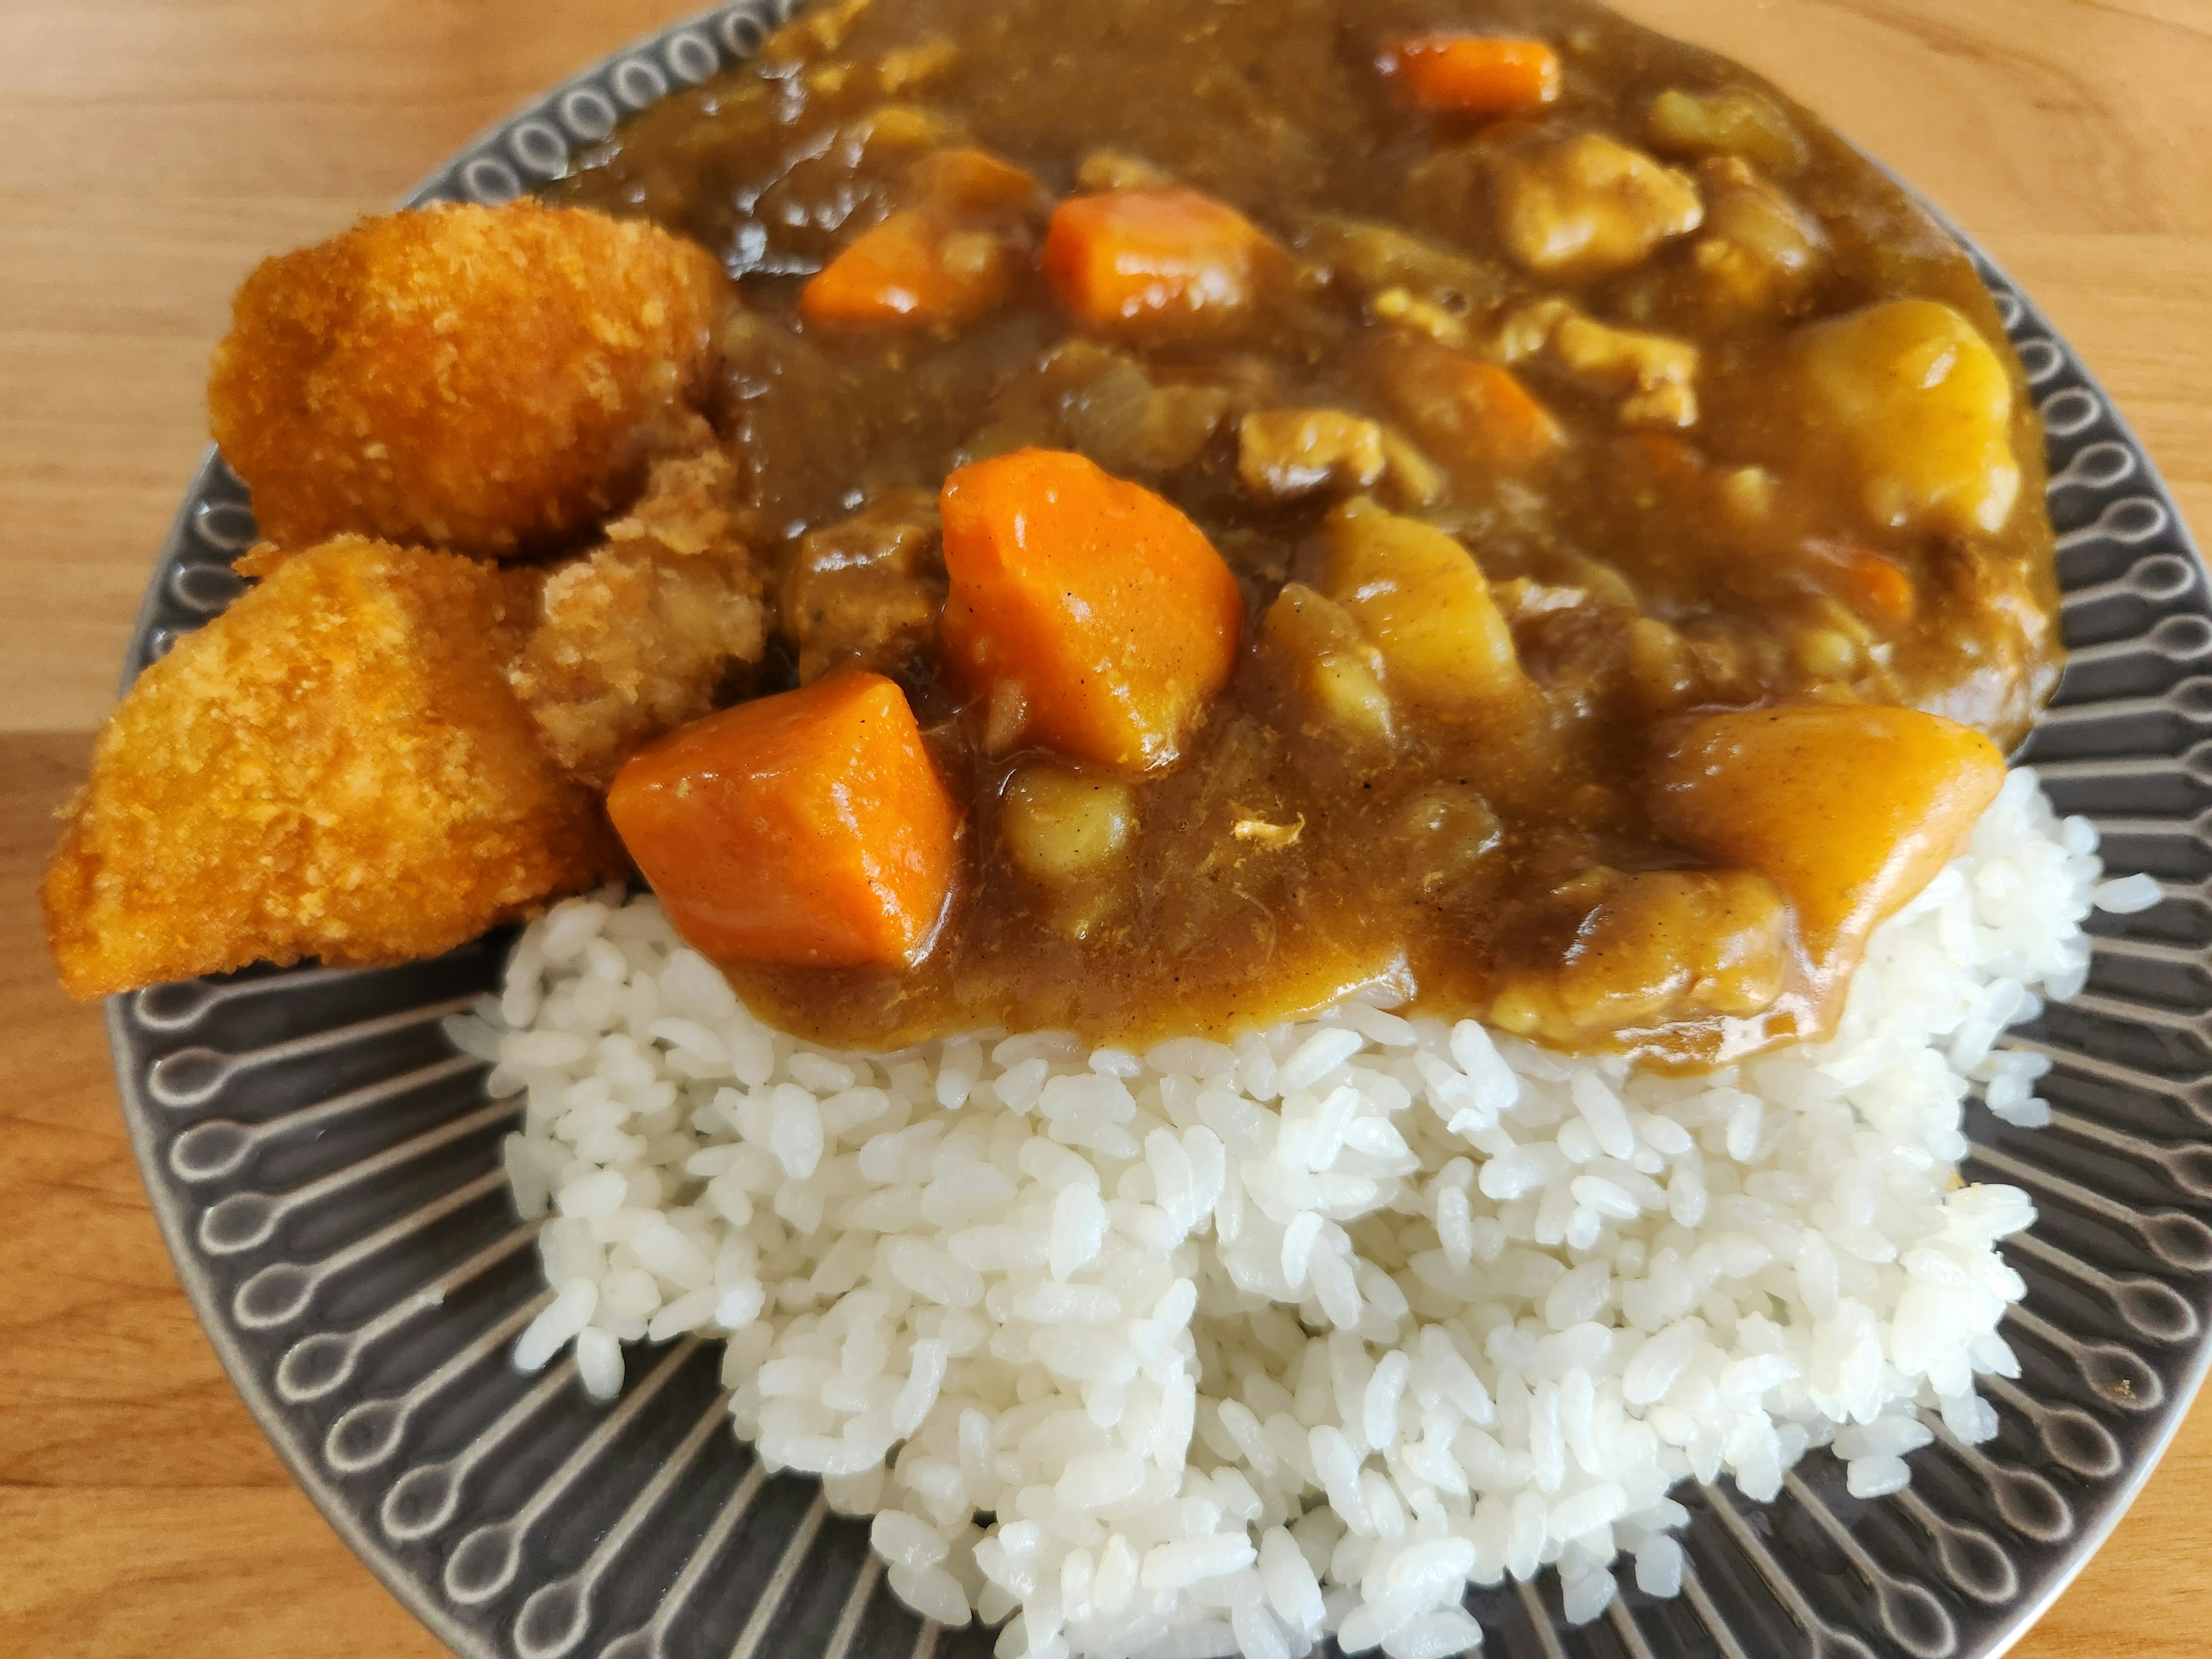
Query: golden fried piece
pixel 489 380
pixel 634 638
pixel 335 768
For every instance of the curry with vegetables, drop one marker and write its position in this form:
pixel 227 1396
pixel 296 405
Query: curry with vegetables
pixel 1461 493
pixel 1174 511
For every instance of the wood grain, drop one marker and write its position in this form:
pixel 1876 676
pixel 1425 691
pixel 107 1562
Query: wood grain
pixel 158 148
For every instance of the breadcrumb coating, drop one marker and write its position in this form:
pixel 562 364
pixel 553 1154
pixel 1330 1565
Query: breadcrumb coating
pixel 490 380
pixel 633 639
pixel 334 767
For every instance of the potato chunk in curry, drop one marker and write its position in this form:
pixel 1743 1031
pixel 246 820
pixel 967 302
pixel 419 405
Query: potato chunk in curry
pixel 1737 121
pixel 1848 811
pixel 1421 599
pixel 1922 405
pixel 1062 825
pixel 1282 454
pixel 1335 671
pixel 1664 947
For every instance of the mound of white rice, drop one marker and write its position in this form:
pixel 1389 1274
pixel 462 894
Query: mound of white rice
pixel 1221 1348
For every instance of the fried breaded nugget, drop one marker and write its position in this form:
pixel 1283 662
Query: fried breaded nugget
pixel 489 380
pixel 334 767
pixel 633 638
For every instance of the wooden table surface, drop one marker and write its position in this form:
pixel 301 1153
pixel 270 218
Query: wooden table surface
pixel 157 148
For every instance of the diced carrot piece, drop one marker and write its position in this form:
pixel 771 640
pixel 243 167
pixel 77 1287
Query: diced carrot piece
pixel 1849 810
pixel 1132 260
pixel 1503 417
pixel 952 253
pixel 968 180
pixel 1876 587
pixel 1473 74
pixel 1468 410
pixel 913 270
pixel 1102 612
pixel 1664 459
pixel 807 829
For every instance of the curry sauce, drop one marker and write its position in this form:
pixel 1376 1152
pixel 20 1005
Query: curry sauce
pixel 1727 423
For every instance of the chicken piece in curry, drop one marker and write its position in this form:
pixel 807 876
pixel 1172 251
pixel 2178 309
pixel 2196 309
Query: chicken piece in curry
pixel 1213 506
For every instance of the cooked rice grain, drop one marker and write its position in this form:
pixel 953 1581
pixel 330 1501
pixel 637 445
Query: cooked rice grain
pixel 1239 1345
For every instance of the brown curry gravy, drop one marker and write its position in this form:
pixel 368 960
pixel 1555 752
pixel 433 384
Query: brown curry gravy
pixel 1279 864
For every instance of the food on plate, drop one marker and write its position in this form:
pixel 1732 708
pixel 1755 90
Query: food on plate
pixel 334 767
pixel 1849 812
pixel 1604 375
pixel 1590 205
pixel 484 382
pixel 640 634
pixel 957 247
pixel 1478 418
pixel 807 828
pixel 1158 259
pixel 1249 1343
pixel 1467 74
pixel 1423 602
pixel 866 592
pixel 1922 405
pixel 1319 752
pixel 1088 614
pixel 1061 825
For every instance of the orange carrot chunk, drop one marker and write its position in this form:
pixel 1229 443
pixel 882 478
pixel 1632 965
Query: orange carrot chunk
pixel 1501 418
pixel 968 180
pixel 1473 74
pixel 912 269
pixel 1096 619
pixel 953 251
pixel 804 829
pixel 1156 260
pixel 1469 412
pixel 1874 587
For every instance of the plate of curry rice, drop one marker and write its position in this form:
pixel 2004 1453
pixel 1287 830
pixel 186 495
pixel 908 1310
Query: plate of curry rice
pixel 1355 826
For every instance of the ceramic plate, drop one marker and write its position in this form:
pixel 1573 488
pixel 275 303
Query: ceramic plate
pixel 324 1168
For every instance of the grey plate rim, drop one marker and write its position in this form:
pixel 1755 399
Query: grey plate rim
pixel 298 1460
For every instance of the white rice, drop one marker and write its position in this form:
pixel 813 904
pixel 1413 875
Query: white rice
pixel 1225 1347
